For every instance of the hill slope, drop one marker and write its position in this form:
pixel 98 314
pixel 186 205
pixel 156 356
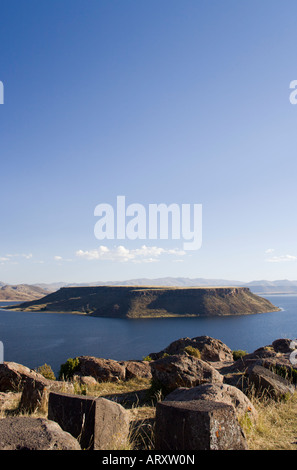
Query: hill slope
pixel 151 302
pixel 21 292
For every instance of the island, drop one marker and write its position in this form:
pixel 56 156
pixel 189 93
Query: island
pixel 151 302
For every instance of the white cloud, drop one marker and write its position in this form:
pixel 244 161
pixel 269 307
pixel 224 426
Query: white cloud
pixel 58 258
pixel 270 250
pixel 145 254
pixel 14 258
pixel 282 258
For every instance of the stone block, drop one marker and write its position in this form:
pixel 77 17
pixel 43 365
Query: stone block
pixel 97 423
pixel 197 425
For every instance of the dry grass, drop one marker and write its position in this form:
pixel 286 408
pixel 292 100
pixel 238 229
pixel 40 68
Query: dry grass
pixel 274 429
pixel 276 426
pixel 112 388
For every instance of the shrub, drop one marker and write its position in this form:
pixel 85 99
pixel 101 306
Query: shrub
pixel 147 358
pixel 238 354
pixel 46 371
pixel 68 369
pixel 192 351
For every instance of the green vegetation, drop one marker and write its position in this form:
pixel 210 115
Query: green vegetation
pixel 147 358
pixel 68 369
pixel 239 353
pixel 46 371
pixel 192 352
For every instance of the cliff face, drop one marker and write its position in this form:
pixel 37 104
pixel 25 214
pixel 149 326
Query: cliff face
pixel 151 302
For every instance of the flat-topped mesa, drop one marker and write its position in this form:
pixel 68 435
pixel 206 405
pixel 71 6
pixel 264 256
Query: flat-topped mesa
pixel 151 302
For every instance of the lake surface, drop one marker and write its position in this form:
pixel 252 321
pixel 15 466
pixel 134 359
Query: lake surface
pixel 33 339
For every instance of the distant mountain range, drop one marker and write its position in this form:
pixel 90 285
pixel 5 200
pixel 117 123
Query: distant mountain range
pixel 26 292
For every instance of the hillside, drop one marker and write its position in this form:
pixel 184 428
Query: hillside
pixel 21 292
pixel 151 302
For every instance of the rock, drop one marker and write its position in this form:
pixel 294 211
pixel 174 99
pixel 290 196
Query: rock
pixel 87 380
pixel 36 391
pixel 26 433
pixel 266 381
pixel 103 370
pixel 222 393
pixel 137 369
pixel 97 423
pixel 13 376
pixel 282 345
pixel 172 372
pixel 247 362
pixel 211 349
pixel 197 425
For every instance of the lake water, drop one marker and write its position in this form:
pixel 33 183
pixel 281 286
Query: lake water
pixel 33 339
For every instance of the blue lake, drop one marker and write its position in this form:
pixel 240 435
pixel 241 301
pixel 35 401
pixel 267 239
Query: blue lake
pixel 33 339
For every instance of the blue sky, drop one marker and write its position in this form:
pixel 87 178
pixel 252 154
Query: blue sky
pixel 160 101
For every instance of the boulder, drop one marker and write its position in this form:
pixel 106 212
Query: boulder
pixel 172 372
pixel 197 425
pixel 26 433
pixel 265 381
pixel 211 349
pixel 282 345
pixel 13 376
pixel 97 423
pixel 103 370
pixel 87 380
pixel 222 393
pixel 137 369
pixel 36 392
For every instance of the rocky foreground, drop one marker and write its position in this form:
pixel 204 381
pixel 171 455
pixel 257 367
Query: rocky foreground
pixel 151 302
pixel 198 391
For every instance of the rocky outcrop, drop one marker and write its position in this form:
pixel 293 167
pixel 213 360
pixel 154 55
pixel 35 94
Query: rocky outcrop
pixel 171 372
pixel 13 376
pixel 103 370
pixel 210 349
pixel 109 370
pixel 27 433
pixel 136 369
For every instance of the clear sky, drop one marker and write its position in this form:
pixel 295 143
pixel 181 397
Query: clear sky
pixel 162 101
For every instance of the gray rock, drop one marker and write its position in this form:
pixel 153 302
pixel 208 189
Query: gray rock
pixel 137 369
pixel 265 381
pixel 13 376
pixel 222 393
pixel 27 433
pixel 282 345
pixel 35 393
pixel 103 370
pixel 172 372
pixel 211 349
pixel 197 425
pixel 97 423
